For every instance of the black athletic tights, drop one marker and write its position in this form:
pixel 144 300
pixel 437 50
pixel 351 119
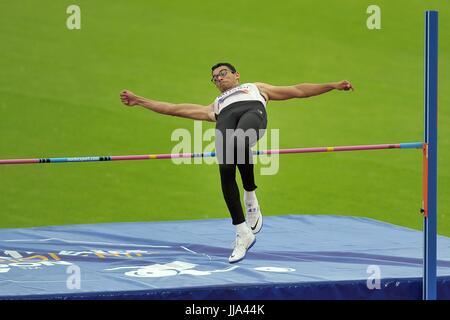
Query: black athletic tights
pixel 234 148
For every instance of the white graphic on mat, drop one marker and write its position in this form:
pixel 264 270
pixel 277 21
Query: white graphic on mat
pixel 274 269
pixel 168 269
pixel 6 267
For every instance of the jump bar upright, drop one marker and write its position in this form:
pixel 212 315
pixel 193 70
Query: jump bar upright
pixel 430 156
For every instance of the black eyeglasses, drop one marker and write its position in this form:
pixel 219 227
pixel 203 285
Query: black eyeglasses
pixel 222 73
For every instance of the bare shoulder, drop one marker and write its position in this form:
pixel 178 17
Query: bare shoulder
pixel 261 85
pixel 263 89
pixel 211 113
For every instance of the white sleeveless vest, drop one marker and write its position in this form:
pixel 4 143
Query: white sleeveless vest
pixel 243 92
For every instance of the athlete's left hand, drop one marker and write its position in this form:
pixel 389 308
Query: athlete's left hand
pixel 344 85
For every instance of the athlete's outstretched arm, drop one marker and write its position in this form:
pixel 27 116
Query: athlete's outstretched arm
pixel 302 90
pixel 184 110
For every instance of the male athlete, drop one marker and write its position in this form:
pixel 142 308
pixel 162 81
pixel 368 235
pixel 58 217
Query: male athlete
pixel 239 109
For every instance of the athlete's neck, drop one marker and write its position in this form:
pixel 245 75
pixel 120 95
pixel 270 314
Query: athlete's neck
pixel 237 85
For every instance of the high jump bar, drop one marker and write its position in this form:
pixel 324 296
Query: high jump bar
pixel 410 145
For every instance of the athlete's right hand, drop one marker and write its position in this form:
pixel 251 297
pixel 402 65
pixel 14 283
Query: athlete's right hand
pixel 128 98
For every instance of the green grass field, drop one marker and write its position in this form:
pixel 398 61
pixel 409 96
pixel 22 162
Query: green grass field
pixel 59 92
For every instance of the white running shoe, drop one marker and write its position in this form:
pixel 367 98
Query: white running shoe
pixel 254 217
pixel 242 244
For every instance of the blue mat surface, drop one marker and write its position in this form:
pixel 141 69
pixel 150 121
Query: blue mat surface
pixel 295 257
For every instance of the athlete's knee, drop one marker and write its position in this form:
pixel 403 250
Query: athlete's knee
pixel 227 170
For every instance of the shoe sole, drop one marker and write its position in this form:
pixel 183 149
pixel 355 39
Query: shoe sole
pixel 254 241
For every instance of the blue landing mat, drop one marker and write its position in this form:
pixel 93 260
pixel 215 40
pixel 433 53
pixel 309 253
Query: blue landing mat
pixel 295 257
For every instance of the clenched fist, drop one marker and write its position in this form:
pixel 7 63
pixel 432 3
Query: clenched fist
pixel 128 98
pixel 344 85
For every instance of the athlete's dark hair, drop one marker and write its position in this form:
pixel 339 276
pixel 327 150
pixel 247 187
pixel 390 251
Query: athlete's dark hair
pixel 226 64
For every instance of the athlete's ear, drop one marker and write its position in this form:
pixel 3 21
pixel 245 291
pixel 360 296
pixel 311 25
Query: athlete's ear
pixel 238 76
